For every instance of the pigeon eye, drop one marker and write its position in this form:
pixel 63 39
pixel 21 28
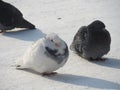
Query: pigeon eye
pixel 51 40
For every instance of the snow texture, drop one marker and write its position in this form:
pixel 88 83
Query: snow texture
pixel 63 17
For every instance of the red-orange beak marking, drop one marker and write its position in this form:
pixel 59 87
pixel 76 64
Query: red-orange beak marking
pixel 57 44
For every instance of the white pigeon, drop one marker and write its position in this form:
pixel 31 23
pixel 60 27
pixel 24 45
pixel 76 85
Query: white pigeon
pixel 45 55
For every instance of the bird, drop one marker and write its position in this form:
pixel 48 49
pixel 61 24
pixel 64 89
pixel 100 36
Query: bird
pixel 45 55
pixel 11 17
pixel 92 42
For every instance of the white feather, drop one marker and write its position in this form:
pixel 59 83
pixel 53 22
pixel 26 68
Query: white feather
pixel 36 59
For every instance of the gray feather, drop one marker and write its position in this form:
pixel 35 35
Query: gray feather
pixel 57 57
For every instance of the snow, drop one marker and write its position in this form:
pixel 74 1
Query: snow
pixel 63 17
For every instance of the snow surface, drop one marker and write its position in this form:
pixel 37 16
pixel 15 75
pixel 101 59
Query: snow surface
pixel 63 17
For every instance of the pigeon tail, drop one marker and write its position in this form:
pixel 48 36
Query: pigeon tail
pixel 25 24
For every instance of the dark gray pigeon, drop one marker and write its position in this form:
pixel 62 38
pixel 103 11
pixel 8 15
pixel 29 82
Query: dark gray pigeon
pixel 11 17
pixel 92 41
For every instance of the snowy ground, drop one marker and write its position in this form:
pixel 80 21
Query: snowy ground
pixel 63 17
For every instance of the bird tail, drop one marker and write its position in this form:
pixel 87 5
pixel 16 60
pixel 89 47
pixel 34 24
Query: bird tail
pixel 25 24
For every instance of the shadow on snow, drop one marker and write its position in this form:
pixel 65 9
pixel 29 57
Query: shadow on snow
pixel 85 81
pixel 26 34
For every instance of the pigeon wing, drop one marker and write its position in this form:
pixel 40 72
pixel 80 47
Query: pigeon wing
pixel 79 40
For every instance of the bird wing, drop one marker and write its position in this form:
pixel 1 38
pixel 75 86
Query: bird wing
pixel 108 37
pixel 80 39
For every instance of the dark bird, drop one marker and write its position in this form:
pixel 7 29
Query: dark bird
pixel 92 42
pixel 11 17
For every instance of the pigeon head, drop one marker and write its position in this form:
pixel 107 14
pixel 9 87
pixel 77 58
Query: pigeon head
pixel 55 45
pixel 96 25
pixel 53 41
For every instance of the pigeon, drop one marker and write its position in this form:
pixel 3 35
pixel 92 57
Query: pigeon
pixel 45 55
pixel 92 42
pixel 11 17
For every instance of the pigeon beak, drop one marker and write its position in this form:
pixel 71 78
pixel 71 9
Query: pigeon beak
pixel 57 44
